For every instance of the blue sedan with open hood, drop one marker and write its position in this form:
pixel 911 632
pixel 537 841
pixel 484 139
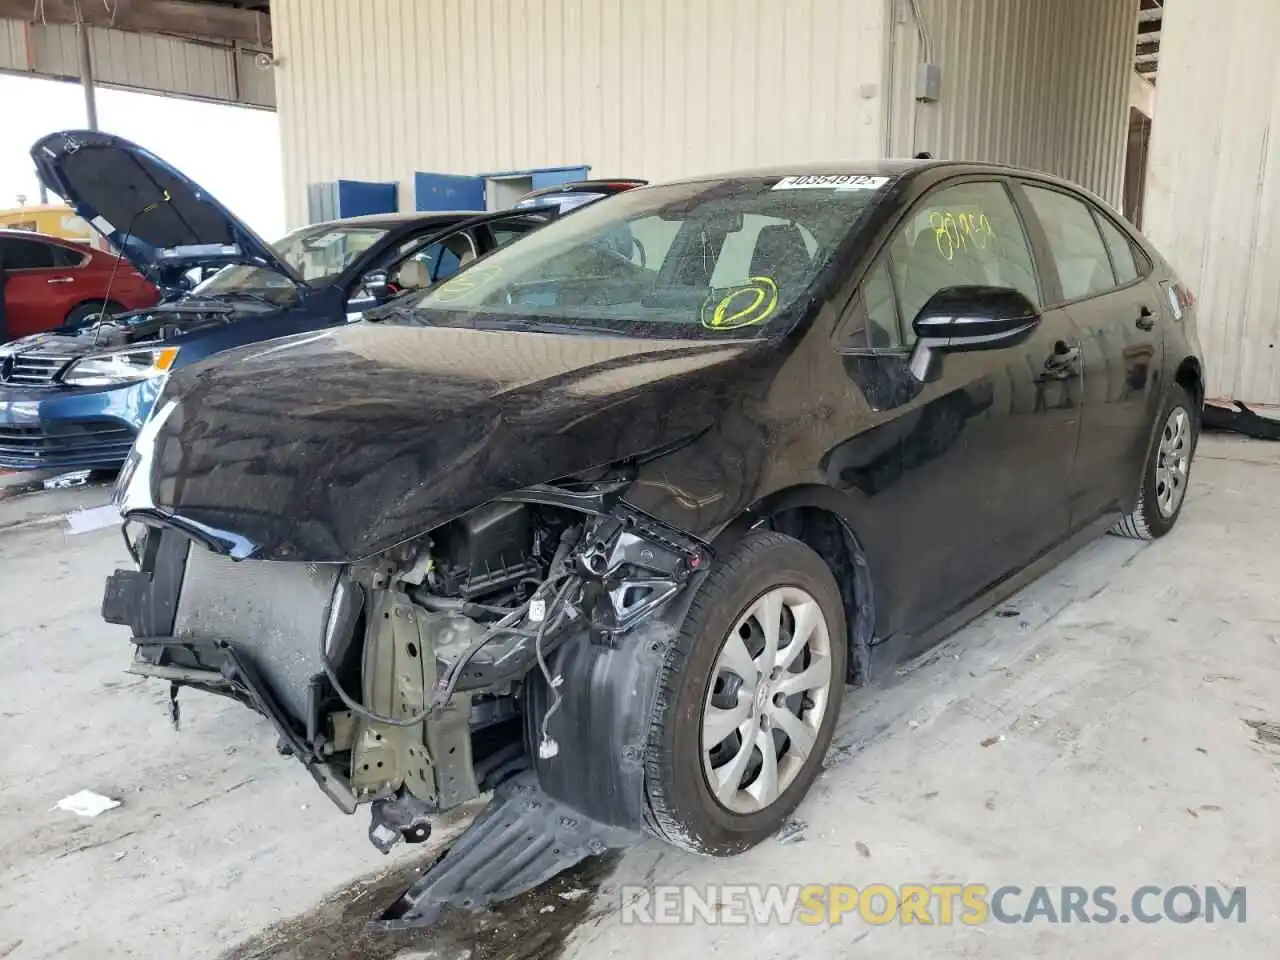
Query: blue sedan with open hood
pixel 76 399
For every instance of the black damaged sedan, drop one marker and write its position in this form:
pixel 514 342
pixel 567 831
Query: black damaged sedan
pixel 608 522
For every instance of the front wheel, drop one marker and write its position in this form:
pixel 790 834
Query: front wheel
pixel 1167 472
pixel 749 696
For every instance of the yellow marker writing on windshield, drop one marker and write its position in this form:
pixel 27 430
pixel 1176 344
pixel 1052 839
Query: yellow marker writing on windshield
pixel 744 306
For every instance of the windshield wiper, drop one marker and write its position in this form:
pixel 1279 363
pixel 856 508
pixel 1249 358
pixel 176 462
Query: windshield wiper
pixel 249 295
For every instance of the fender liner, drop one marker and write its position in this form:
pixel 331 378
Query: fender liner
pixel 602 724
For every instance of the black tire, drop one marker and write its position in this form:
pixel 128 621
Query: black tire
pixel 86 313
pixel 1148 521
pixel 682 808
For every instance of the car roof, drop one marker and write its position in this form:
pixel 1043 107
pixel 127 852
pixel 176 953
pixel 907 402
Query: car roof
pixel 892 168
pixel 43 237
pixel 868 168
pixel 618 184
pixel 396 221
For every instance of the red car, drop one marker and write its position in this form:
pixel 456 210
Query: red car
pixel 51 282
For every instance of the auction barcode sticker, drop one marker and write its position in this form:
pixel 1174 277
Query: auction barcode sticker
pixel 843 181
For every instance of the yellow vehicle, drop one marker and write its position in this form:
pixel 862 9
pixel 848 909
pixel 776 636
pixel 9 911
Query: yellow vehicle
pixel 57 220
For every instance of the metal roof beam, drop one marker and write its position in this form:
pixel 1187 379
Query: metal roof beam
pixel 188 18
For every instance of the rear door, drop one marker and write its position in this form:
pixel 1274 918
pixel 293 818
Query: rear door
pixel 973 468
pixel 1104 282
pixel 44 283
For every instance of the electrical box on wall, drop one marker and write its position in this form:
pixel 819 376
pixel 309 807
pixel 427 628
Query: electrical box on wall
pixel 928 82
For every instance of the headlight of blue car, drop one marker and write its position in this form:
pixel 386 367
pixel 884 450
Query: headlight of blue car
pixel 124 366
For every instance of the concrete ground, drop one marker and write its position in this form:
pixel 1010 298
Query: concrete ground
pixel 1093 730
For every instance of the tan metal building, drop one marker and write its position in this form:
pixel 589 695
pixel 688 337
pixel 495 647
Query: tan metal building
pixel 383 89
pixel 1213 184
pixel 386 90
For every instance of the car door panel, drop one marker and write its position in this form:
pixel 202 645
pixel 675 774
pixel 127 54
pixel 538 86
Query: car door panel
pixel 974 475
pixel 1121 365
pixel 1121 353
pixel 973 468
pixel 46 281
pixel 30 300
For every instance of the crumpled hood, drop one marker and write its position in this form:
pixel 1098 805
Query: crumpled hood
pixel 334 446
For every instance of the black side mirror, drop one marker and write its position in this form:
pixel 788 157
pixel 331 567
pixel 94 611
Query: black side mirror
pixel 960 319
pixel 378 285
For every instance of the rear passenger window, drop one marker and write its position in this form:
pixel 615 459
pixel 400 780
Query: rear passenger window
pixel 504 233
pixel 1121 249
pixel 23 254
pixel 66 257
pixel 1084 269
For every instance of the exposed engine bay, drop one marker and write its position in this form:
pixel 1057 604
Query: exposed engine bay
pixel 164 321
pixel 404 681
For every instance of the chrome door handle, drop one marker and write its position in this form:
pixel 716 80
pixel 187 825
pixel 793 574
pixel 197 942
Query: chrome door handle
pixel 62 280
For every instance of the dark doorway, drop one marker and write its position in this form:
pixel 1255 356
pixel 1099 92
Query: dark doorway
pixel 1135 165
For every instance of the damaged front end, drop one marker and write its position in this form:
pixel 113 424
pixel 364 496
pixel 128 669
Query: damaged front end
pixel 512 649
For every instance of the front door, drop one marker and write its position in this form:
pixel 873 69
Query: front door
pixel 44 283
pixel 1104 286
pixel 973 467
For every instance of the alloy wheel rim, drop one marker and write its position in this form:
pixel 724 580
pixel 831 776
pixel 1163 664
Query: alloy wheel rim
pixel 768 695
pixel 1173 462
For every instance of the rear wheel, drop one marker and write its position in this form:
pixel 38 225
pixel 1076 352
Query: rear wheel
pixel 1166 473
pixel 749 697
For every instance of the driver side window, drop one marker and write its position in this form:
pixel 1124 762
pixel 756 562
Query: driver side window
pixel 964 235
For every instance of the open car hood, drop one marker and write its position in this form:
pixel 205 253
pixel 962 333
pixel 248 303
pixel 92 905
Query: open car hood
pixel 164 223
pixel 338 445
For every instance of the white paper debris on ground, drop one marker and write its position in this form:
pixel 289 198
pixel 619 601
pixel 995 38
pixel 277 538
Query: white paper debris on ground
pixel 86 803
pixel 576 894
pixel 95 518
pixel 77 478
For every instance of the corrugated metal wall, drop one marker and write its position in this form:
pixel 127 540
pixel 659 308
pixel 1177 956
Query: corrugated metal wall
pixel 13 54
pixel 187 68
pixel 378 89
pixel 1038 83
pixel 1213 183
